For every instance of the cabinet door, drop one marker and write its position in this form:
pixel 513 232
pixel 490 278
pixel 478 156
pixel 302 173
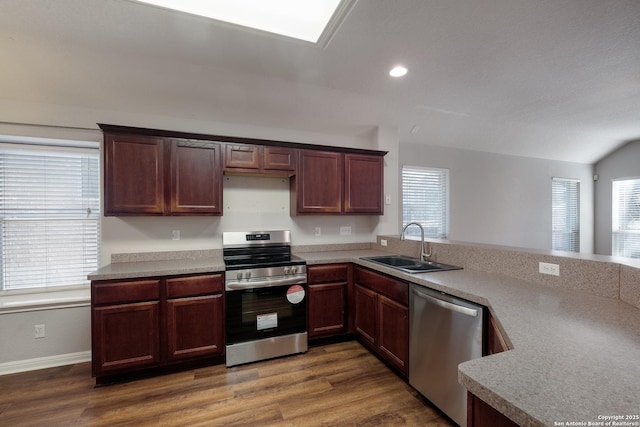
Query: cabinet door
pixel 239 156
pixel 194 327
pixel 196 178
pixel 393 333
pixel 366 314
pixel 133 175
pixel 364 184
pixel 319 182
pixel 279 159
pixel 327 309
pixel 125 336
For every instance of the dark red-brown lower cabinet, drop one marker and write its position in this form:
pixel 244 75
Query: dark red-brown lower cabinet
pixel 125 325
pixel 194 310
pixel 366 314
pixel 381 317
pixel 328 290
pixel 148 323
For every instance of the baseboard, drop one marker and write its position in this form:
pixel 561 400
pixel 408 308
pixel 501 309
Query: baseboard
pixel 44 362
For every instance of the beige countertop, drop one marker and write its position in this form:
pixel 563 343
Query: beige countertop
pixel 130 270
pixel 575 357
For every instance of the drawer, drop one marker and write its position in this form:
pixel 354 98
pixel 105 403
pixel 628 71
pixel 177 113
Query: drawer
pixel 178 287
pixel 279 158
pixel 385 285
pixel 328 273
pixel 122 292
pixel 242 156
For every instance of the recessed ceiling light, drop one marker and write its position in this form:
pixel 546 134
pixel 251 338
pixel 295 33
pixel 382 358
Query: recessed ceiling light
pixel 304 20
pixel 398 71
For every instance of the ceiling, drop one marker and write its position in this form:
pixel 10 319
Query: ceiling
pixel 555 79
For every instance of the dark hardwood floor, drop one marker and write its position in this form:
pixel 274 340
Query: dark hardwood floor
pixel 338 384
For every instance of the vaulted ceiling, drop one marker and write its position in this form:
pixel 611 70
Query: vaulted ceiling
pixel 556 79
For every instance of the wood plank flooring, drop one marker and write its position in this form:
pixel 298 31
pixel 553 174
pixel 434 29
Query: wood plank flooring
pixel 338 384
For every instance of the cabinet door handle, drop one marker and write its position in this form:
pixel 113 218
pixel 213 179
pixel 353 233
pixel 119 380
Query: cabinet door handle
pixel 447 305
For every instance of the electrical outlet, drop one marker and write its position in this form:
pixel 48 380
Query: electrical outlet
pixel 383 242
pixel 345 231
pixel 175 235
pixel 318 231
pixel 547 268
pixel 40 331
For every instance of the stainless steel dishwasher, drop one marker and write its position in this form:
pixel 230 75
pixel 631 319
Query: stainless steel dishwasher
pixel 444 332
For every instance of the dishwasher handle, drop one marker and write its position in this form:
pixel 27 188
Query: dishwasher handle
pixel 447 305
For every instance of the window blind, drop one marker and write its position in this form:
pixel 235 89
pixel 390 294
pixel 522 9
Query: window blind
pixel 565 217
pixel 49 216
pixel 425 200
pixel 626 218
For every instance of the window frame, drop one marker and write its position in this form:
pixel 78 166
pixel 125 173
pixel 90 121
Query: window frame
pixel 620 237
pixel 36 295
pixel 443 219
pixel 564 228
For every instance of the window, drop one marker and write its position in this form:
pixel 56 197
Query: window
pixel 306 20
pixel 565 215
pixel 49 215
pixel 425 200
pixel 626 218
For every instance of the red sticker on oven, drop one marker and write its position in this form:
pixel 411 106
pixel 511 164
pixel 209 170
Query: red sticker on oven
pixel 295 294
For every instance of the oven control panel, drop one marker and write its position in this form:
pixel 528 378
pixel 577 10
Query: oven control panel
pixel 265 277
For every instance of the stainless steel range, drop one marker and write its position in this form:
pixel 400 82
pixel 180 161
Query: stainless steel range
pixel 265 295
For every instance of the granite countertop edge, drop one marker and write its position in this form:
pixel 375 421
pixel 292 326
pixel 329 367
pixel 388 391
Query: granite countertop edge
pixel 141 269
pixel 537 382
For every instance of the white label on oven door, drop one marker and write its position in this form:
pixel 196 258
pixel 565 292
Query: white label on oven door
pixel 295 294
pixel 267 321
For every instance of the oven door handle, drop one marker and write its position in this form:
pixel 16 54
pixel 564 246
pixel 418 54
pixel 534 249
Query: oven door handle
pixel 236 285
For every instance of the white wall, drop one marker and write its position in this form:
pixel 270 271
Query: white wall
pixel 504 200
pixel 387 140
pixel 622 163
pixel 68 331
pixel 250 203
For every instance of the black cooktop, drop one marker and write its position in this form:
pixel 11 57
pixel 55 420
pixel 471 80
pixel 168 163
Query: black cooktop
pixel 272 256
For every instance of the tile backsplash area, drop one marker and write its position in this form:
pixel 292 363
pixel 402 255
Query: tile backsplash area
pixel 598 277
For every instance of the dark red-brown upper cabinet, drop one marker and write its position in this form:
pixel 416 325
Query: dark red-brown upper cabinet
pixel 147 175
pixel 133 175
pixel 338 183
pixel 196 178
pixel 363 184
pixel 318 185
pixel 257 159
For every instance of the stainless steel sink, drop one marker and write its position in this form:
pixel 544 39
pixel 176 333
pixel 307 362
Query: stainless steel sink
pixel 410 265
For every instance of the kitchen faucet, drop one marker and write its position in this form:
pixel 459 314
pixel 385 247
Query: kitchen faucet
pixel 424 256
